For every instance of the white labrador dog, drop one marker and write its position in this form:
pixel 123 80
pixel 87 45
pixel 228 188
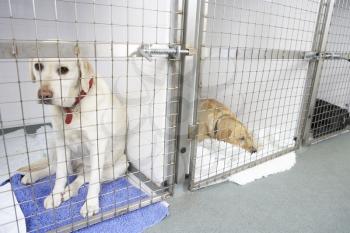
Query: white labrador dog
pixel 90 129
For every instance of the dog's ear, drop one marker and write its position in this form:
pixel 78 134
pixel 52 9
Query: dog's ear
pixel 31 71
pixel 86 73
pixel 223 134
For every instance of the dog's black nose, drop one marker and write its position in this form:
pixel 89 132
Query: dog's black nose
pixel 253 151
pixel 45 95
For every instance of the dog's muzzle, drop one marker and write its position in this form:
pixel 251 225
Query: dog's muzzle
pixel 45 96
pixel 253 150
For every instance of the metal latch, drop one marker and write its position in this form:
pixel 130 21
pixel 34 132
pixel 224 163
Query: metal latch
pixel 174 51
pixel 325 56
pixel 14 48
pixel 336 56
pixel 192 131
pixel 311 56
pixel 331 56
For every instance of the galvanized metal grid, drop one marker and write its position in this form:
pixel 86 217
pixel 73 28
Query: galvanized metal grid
pixel 252 61
pixel 329 114
pixel 108 34
pixel 249 55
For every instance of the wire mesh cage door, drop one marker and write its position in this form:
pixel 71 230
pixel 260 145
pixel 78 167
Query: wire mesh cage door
pixel 329 108
pixel 106 120
pixel 254 83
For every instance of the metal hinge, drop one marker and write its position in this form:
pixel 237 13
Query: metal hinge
pixel 173 51
pixel 192 131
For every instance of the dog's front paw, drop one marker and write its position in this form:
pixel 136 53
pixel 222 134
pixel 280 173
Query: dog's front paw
pixel 69 192
pixel 90 207
pixel 53 201
pixel 26 179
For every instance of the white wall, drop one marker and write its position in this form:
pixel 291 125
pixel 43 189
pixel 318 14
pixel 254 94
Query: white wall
pixel 265 93
pixel 126 23
pixel 335 82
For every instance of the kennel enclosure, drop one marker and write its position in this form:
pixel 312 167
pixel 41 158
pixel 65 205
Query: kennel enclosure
pixel 110 36
pixel 281 66
pixel 329 110
pixel 254 59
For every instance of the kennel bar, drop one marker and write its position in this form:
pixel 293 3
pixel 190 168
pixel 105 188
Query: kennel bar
pixel 255 60
pixel 329 109
pixel 109 35
pixel 189 87
pixel 325 11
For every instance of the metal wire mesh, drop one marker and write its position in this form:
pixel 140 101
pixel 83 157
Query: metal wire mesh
pixel 252 72
pixel 252 64
pixel 106 34
pixel 331 111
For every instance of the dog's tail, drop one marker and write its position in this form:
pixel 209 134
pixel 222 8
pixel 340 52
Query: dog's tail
pixel 36 166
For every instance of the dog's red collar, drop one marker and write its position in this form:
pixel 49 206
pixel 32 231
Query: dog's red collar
pixel 69 110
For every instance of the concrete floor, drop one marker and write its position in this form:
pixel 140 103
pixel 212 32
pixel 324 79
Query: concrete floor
pixel 314 196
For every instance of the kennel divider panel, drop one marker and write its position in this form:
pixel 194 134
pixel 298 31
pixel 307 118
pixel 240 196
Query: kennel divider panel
pixel 95 38
pixel 331 83
pixel 255 40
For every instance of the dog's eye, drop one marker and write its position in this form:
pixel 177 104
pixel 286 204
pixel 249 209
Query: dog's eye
pixel 62 70
pixel 38 66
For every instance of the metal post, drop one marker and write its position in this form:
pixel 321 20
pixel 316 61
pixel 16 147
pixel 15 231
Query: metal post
pixel 320 43
pixel 189 89
pixel 312 57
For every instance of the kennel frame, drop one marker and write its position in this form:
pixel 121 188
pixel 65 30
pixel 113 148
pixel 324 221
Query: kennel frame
pixel 189 92
pixel 317 75
pixel 186 103
pixel 313 72
pixel 20 50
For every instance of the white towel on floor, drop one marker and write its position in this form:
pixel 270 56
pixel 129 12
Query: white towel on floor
pixel 10 211
pixel 277 165
pixel 215 157
pixel 16 150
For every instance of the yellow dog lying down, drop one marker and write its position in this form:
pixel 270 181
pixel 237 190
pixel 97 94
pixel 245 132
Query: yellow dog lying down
pixel 219 122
